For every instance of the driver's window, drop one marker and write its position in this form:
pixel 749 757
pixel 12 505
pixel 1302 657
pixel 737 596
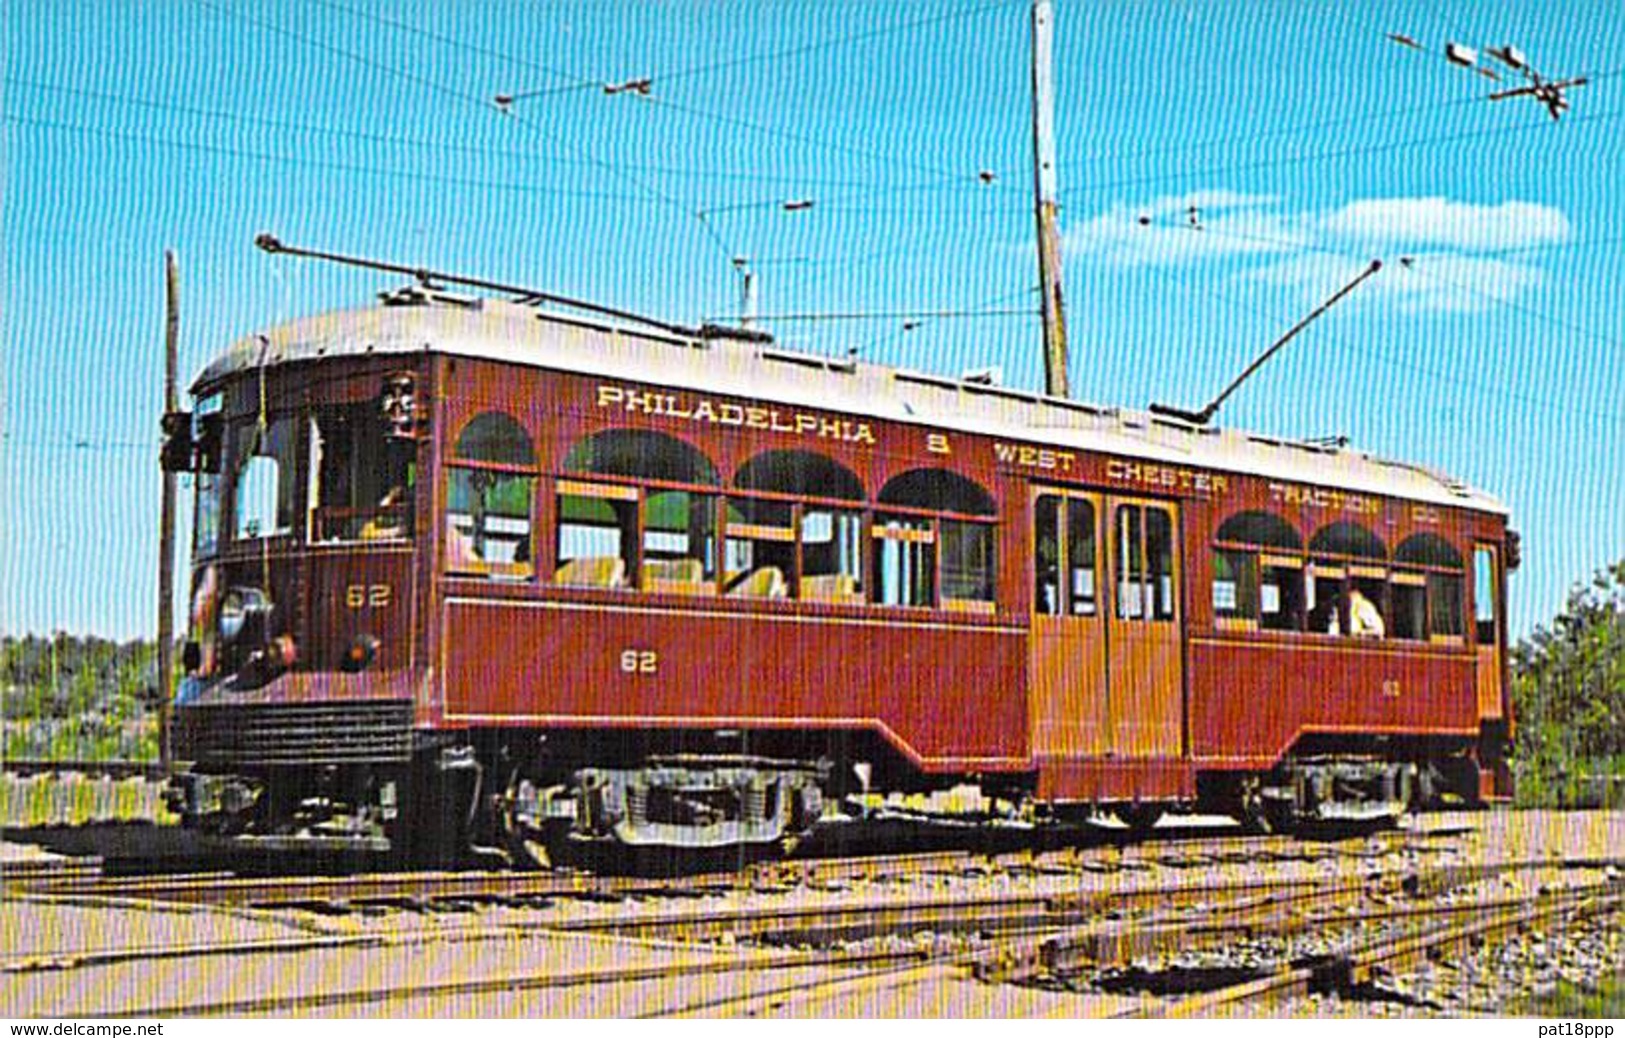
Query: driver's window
pixel 364 476
pixel 265 479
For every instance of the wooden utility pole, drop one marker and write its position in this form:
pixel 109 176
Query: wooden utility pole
pixel 1045 201
pixel 166 515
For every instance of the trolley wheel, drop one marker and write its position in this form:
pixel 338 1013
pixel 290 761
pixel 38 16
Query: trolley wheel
pixel 528 845
pixel 1140 818
pixel 1258 815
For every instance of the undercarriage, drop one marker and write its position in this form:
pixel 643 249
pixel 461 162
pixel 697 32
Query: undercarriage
pixel 509 797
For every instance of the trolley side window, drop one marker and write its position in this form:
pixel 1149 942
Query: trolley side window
pixel 799 533
pixel 1347 582
pixel 1258 579
pixel 491 484
pixel 1425 591
pixel 1486 602
pixel 934 542
pixel 759 559
pixel 637 509
pixel 1144 542
pixel 1076 592
pixel 1047 555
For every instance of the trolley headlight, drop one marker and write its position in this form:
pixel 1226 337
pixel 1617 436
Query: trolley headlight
pixel 242 608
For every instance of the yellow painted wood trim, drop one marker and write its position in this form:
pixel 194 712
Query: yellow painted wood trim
pixel 608 491
pixel 913 536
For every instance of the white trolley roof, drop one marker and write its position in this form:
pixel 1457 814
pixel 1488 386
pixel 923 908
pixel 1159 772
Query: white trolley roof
pixel 497 330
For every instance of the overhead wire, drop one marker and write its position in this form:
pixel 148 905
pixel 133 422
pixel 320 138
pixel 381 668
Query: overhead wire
pixel 575 82
pixel 1418 267
pixel 1343 153
pixel 517 187
pixel 826 44
pixel 446 147
pixel 877 315
pixel 1254 137
pixel 579 82
pixel 482 103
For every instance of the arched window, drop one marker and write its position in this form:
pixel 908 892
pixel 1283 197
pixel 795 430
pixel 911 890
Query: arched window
pixel 1347 540
pixel 621 479
pixel 491 481
pixel 934 542
pixel 1258 573
pixel 640 454
pixel 1348 581
pixel 794 535
pixel 1425 590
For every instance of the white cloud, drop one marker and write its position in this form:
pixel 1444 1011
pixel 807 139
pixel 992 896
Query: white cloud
pixel 1318 251
pixel 1425 222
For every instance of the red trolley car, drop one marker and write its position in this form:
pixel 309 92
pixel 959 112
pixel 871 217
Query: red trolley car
pixel 465 568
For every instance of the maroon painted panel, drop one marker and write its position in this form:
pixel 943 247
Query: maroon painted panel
pixel 947 695
pixel 1250 698
pixel 356 592
pixel 1095 780
pixel 313 687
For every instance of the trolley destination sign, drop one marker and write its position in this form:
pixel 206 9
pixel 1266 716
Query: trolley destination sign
pixel 745 416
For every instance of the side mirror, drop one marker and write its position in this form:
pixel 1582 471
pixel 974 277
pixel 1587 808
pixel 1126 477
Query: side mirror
pixel 176 453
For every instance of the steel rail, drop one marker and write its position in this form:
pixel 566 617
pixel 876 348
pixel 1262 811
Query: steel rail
pixel 1036 911
pixel 825 923
pixel 782 999
pixel 514 982
pixel 418 887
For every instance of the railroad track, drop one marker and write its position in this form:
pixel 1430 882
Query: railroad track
pixel 1427 932
pixel 47 871
pixel 417 889
pixel 804 959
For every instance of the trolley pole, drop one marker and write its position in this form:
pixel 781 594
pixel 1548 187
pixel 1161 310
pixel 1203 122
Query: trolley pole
pixel 1046 205
pixel 166 516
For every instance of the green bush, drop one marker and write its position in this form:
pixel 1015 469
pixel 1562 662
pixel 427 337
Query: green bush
pixel 1568 691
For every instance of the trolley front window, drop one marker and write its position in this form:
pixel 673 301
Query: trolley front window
pixel 210 488
pixel 265 478
pixel 362 476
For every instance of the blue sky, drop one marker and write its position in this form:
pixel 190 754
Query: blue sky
pixel 1307 142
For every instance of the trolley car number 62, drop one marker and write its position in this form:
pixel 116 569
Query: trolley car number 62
pixel 640 661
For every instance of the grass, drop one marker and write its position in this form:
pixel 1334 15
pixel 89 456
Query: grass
pixel 1607 1001
pixel 42 800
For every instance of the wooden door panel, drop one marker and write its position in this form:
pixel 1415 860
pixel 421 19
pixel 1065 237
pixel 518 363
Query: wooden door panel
pixel 1068 700
pixel 1066 649
pixel 1145 671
